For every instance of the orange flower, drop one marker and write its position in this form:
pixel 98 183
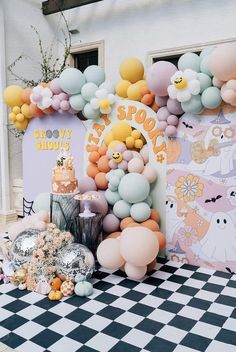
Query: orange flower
pixel 188 188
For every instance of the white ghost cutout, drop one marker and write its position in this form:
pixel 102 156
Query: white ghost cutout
pixel 219 243
pixel 173 220
pixel 231 195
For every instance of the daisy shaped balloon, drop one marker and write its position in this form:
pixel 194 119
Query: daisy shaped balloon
pixel 42 97
pixel 103 101
pixel 184 85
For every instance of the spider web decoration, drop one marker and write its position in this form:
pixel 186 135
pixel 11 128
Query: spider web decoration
pixel 27 207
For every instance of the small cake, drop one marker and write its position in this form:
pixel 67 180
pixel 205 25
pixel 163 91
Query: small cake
pixel 63 178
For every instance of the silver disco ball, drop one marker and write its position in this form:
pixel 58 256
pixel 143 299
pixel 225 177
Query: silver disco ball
pixel 23 246
pixel 75 260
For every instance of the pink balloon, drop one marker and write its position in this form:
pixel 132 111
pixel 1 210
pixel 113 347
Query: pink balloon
pixel 138 245
pixel 55 103
pixel 111 223
pixel 231 84
pixel 174 107
pixel 171 131
pixel 136 165
pixel 55 86
pixel 161 101
pixel 163 113
pixel 172 120
pixel 162 125
pixel 158 77
pixel 128 155
pixel 86 184
pixel 135 272
pixel 65 105
pixel 123 165
pixel 150 173
pixel 72 111
pixel 63 96
pixel 108 254
pixel 228 95
pixel 97 205
pixel 144 152
pixel 222 61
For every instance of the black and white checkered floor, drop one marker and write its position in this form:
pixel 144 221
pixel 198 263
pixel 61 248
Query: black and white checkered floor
pixel 179 308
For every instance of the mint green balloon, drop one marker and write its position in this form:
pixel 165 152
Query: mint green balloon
pixel 95 74
pixel 211 97
pixel 205 81
pixel 149 201
pixel 122 209
pixel 42 202
pixel 88 91
pixel 204 66
pixel 207 51
pixel 90 113
pixel 112 197
pixel 134 188
pixel 194 105
pixel 72 80
pixel 140 211
pixel 189 60
pixel 77 102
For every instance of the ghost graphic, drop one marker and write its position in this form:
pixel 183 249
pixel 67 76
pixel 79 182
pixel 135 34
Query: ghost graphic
pixel 231 195
pixel 173 220
pixel 219 243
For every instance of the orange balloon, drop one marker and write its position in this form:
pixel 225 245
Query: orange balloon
pixel 133 224
pixel 161 239
pixel 125 222
pixel 26 95
pixel 35 111
pixel 93 148
pixel 44 85
pixel 103 164
pixel 150 224
pixel 147 99
pixel 114 234
pixel 152 265
pixel 102 150
pixel 101 181
pixel 145 90
pixel 94 157
pixel 155 107
pixel 92 170
pixel 155 216
pixel 49 110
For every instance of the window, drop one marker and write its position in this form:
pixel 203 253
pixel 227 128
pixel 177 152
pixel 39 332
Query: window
pixel 84 59
pixel 84 55
pixel 172 58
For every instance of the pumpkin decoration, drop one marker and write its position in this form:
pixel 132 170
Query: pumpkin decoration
pixel 20 276
pixel 83 288
pixel 55 295
pixel 56 283
pixel 173 151
pixel 67 288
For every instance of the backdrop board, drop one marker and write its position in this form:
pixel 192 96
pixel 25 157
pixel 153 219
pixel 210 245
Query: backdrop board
pixel 42 142
pixel 201 190
pixel 142 118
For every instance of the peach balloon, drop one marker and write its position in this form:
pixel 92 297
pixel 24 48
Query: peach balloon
pixel 135 272
pixel 92 170
pixel 222 60
pixel 101 181
pixel 35 111
pixel 145 90
pixel 161 239
pixel 94 157
pixel 147 99
pixel 102 150
pixel 155 216
pixel 108 254
pixel 114 235
pixel 150 173
pixel 151 266
pixel 125 222
pixel 150 224
pixel 103 164
pixel 26 95
pixel 49 110
pixel 138 245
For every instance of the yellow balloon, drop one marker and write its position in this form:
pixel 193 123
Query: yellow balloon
pixel 108 138
pixel 21 125
pixel 12 117
pixel 134 92
pixel 121 130
pixel 12 96
pixel 132 69
pixel 121 88
pixel 25 109
pixel 142 83
pixel 129 142
pixel 16 110
pixel 136 134
pixel 113 144
pixel 138 143
pixel 20 117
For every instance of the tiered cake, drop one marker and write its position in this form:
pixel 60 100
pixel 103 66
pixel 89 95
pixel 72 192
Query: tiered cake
pixel 63 178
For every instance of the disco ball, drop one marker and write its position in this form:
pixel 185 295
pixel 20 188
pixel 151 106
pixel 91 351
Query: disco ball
pixel 23 246
pixel 75 260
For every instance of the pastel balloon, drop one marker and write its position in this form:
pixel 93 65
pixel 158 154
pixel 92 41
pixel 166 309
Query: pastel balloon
pixel 65 105
pixel 217 82
pixel 148 200
pixel 95 74
pixel 211 97
pixel 222 61
pixel 135 272
pixel 111 223
pixel 77 102
pixel 163 113
pixel 134 188
pixel 55 86
pixel 161 239
pixel 125 222
pixel 12 96
pixel 86 184
pixel 138 245
pixel 205 81
pixel 204 66
pixel 162 125
pixel 134 92
pixel 155 215
pixel 108 86
pixel 26 95
pixel 150 224
pixel 194 105
pixel 140 211
pixel 158 77
pixel 131 69
pixel 207 51
pixel 121 130
pixel 88 90
pixel 171 131
pixel 122 88
pixel 144 152
pixel 101 181
pixel 189 60
pixel 112 196
pixel 108 254
pixel 135 165
pixel 150 173
pixel 25 109
pixel 161 101
pixel 90 113
pixel 172 120
pixel 174 107
pixel 42 202
pixel 97 205
pixel 72 80
pixel 122 209
pixel 103 164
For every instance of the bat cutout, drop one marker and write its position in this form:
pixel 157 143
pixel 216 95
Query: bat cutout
pixel 233 194
pixel 186 125
pixel 213 199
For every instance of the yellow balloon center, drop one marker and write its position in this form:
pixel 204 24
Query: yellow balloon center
pixel 180 82
pixel 117 157
pixel 104 104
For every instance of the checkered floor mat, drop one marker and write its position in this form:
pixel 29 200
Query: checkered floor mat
pixel 179 308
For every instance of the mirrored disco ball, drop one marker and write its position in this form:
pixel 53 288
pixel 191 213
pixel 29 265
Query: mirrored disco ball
pixel 23 246
pixel 75 260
